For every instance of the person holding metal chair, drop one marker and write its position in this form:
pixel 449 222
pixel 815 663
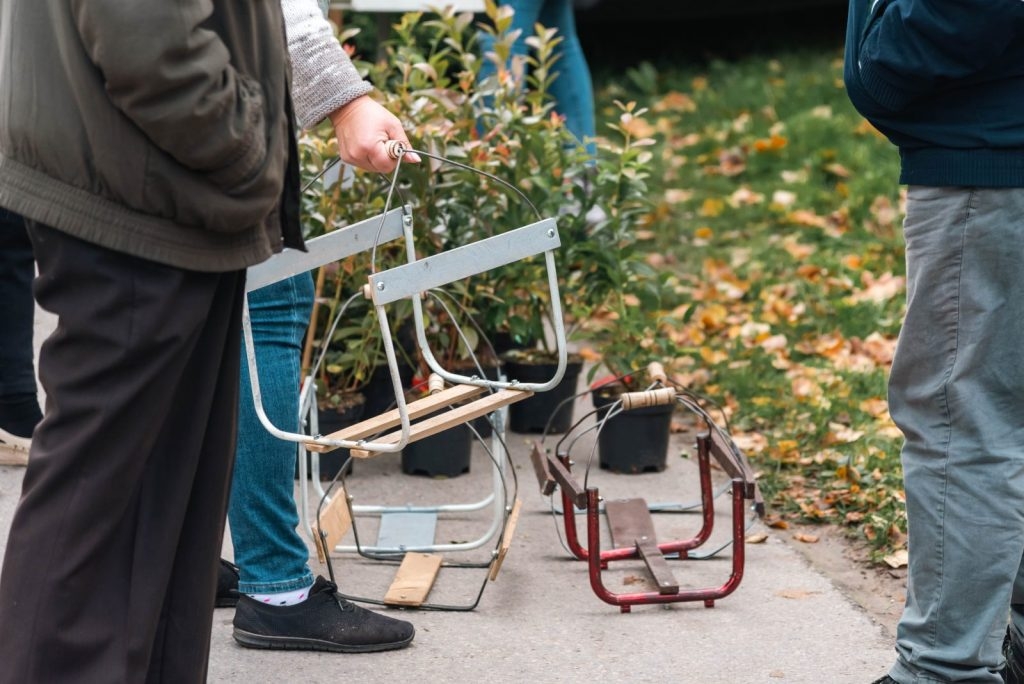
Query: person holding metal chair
pixel 154 161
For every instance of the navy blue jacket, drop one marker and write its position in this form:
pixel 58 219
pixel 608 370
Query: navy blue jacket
pixel 944 80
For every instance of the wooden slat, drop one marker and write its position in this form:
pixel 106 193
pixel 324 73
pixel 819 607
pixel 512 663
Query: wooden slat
pixel 414 579
pixel 387 421
pixel 628 520
pixel 736 466
pixel 449 419
pixel 335 521
pixel 540 467
pixel 506 540
pixel 631 525
pixel 658 567
pixel 566 481
pixel 723 453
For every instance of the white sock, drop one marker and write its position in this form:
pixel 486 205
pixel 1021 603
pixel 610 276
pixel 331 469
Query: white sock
pixel 283 598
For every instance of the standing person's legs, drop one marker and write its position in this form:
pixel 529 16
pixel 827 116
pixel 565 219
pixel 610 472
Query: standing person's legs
pixel 572 88
pixel 281 605
pixel 111 562
pixel 526 14
pixel 957 392
pixel 271 555
pixel 19 405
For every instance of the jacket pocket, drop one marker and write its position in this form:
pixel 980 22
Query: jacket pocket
pixel 194 200
pixel 874 17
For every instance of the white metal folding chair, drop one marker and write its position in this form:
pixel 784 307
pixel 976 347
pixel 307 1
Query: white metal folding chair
pixel 468 397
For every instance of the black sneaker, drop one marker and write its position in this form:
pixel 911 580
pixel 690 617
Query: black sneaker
pixel 15 442
pixel 227 585
pixel 323 622
pixel 885 680
pixel 1013 673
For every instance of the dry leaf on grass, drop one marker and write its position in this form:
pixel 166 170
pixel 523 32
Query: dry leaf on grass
pixel 897 559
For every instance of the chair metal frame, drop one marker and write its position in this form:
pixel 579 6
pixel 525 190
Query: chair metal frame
pixel 554 472
pixel 410 281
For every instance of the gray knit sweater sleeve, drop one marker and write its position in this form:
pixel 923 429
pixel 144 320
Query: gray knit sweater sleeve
pixel 323 77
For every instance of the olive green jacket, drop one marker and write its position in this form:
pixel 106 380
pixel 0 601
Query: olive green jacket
pixel 157 128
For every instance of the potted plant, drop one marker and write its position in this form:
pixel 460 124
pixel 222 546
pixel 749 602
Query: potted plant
pixel 625 320
pixel 630 331
pixel 501 127
pixel 430 75
pixel 444 454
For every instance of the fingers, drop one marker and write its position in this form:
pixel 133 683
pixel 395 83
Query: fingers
pixel 383 156
pixel 371 137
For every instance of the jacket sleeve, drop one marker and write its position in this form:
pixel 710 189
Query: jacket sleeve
pixel 323 77
pixel 910 47
pixel 174 79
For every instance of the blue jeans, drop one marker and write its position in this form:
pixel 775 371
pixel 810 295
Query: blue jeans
pixel 17 308
pixel 957 393
pixel 572 89
pixel 269 552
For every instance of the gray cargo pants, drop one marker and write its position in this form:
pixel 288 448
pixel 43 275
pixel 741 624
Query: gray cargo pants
pixel 957 393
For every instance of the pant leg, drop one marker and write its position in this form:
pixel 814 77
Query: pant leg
pixel 17 308
pixel 270 553
pixel 111 561
pixel 526 14
pixel 957 392
pixel 572 88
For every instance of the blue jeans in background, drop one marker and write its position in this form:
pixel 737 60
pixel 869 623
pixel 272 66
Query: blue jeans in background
pixel 572 89
pixel 271 555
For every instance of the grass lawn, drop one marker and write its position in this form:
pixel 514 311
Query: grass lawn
pixel 775 205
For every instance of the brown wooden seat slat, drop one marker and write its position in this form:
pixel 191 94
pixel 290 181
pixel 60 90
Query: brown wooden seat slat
pixel 631 525
pixel 448 419
pixel 414 579
pixel 386 421
pixel 567 482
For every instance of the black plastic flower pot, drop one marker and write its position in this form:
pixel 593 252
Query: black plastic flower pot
pixel 445 454
pixel 482 425
pixel 633 441
pixel 380 391
pixel 532 415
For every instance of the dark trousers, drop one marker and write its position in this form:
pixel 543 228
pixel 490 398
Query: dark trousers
pixel 17 374
pixel 111 562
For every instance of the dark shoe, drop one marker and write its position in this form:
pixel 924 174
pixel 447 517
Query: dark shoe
pixel 227 585
pixel 1013 673
pixel 885 680
pixel 323 622
pixel 15 442
pixel 19 415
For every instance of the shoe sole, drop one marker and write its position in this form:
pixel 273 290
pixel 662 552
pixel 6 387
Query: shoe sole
pixel 12 456
pixel 226 602
pixel 13 449
pixel 250 640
